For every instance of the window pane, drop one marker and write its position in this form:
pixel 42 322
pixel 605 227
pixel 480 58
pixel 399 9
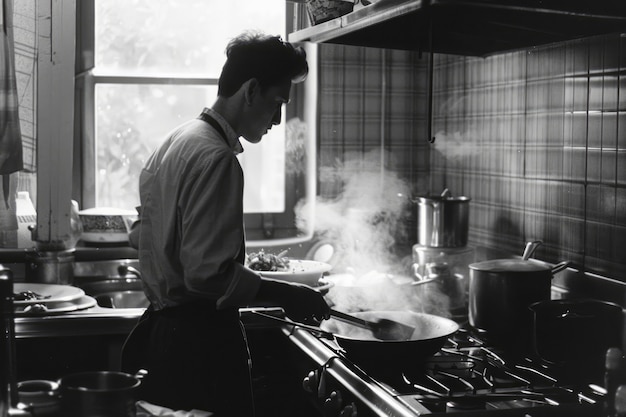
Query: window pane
pixel 177 36
pixel 264 168
pixel 132 120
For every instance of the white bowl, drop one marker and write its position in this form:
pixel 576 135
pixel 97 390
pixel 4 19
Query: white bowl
pixel 106 224
pixel 300 271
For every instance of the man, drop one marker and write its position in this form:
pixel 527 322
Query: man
pixel 191 240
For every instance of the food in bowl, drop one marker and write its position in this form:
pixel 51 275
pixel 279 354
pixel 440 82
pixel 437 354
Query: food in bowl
pixel 261 261
pixel 300 271
pixel 106 224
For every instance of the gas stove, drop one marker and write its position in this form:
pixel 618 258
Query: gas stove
pixel 468 376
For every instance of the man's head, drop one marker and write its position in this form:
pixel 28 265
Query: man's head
pixel 259 70
pixel 265 58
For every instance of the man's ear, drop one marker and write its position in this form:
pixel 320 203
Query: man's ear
pixel 251 89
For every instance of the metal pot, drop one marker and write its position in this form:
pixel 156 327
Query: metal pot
pixel 99 393
pixel 382 355
pixel 41 397
pixel 500 292
pixel 442 221
pixel 575 330
pixel 50 267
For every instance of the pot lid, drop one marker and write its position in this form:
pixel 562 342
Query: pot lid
pixel 438 198
pixel 510 265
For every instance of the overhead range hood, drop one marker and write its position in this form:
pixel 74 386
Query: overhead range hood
pixel 468 27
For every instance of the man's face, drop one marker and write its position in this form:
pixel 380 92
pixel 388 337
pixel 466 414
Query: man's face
pixel 265 110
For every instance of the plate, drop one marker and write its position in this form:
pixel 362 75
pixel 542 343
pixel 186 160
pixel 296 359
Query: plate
pixel 57 307
pixel 52 292
pixel 300 271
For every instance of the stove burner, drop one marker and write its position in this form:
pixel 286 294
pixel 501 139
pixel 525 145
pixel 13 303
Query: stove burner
pixel 456 406
pixel 469 373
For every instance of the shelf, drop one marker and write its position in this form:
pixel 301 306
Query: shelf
pixel 473 27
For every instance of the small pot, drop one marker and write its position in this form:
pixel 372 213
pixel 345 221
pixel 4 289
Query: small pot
pixel 442 221
pixel 99 393
pixel 500 292
pixel 50 267
pixel 41 397
pixel 575 330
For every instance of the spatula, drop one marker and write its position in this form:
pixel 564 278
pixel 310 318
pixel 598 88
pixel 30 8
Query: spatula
pixel 383 329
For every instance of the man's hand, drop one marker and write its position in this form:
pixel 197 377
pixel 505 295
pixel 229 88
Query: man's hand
pixel 300 302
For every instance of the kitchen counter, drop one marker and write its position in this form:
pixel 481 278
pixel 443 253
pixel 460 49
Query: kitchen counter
pixel 97 321
pixel 92 321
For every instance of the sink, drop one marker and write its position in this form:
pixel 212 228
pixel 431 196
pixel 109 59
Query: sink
pixel 122 299
pixel 116 293
pixel 114 284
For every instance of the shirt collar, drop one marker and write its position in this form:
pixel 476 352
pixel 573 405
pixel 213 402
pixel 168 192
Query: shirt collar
pixel 231 136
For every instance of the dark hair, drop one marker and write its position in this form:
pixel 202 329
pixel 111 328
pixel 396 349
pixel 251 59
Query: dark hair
pixel 266 58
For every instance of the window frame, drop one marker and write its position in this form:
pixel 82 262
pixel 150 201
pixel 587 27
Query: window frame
pixel 267 229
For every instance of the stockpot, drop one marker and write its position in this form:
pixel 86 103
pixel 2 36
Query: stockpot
pixel 500 292
pixel 442 221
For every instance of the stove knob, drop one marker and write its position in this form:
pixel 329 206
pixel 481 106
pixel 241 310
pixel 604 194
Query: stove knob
pixel 310 382
pixel 332 404
pixel 349 411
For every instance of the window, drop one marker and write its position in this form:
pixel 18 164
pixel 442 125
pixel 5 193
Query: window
pixel 155 65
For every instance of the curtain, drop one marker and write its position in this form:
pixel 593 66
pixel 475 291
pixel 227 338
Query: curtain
pixel 10 135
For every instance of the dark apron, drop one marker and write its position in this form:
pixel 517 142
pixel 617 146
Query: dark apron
pixel 196 357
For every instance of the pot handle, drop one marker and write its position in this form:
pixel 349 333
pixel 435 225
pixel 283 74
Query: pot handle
pixel 530 249
pixel 559 267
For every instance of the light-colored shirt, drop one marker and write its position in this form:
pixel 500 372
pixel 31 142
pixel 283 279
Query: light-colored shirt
pixel 191 242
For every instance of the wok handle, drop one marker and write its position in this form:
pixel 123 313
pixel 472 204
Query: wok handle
pixel 347 318
pixel 314 329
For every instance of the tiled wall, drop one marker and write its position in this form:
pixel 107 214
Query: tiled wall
pixel 536 138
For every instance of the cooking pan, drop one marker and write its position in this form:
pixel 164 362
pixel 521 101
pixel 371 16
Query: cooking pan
pixel 576 330
pixel 361 347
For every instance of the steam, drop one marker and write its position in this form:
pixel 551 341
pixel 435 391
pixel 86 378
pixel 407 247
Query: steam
pixel 362 224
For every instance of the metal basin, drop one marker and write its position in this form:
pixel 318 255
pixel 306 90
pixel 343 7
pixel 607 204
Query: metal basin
pixel 117 293
pixel 105 286
pixel 114 283
pixel 122 299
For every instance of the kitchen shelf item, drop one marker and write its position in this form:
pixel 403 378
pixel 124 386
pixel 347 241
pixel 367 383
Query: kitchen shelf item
pixel 324 10
pixel 381 328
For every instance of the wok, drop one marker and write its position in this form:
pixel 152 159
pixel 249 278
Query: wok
pixel 361 347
